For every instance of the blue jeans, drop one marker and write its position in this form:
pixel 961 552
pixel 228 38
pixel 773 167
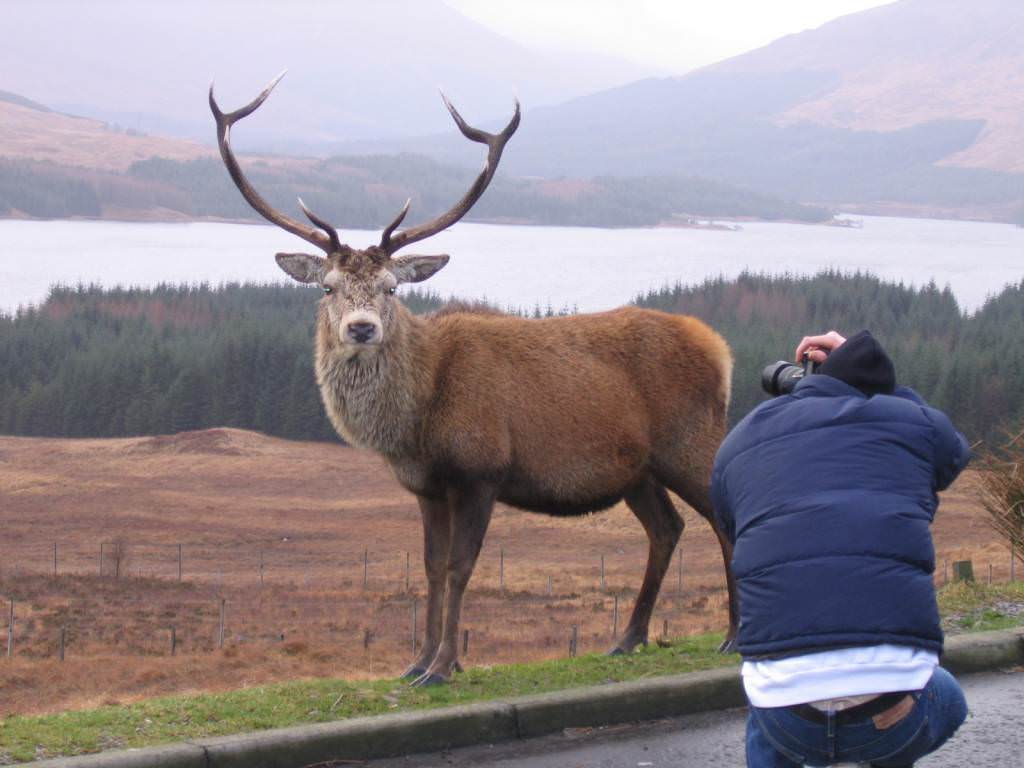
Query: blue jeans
pixel 780 738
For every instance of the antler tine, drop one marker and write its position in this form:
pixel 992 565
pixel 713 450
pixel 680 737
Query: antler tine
pixel 495 145
pixel 386 237
pixel 224 122
pixel 324 225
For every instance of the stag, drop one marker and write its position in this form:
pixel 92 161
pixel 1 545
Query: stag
pixel 563 416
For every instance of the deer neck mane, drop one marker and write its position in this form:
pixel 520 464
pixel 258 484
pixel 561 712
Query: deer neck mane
pixel 375 398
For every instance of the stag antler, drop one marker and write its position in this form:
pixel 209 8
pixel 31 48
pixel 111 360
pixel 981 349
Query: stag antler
pixel 329 242
pixel 495 145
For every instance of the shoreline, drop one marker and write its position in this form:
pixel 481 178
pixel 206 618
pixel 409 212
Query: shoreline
pixel 706 223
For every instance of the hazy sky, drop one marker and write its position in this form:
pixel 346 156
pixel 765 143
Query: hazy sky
pixel 667 35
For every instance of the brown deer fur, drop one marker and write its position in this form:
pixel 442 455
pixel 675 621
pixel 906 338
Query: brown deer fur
pixel 564 416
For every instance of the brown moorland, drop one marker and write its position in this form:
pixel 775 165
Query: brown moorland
pixel 285 534
pixel 33 134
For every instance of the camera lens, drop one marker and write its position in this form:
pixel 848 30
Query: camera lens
pixel 779 378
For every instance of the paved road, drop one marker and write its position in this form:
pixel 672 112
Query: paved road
pixel 992 736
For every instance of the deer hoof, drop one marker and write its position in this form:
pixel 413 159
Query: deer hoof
pixel 412 673
pixel 428 679
pixel 627 645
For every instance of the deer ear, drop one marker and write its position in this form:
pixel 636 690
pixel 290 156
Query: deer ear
pixel 415 269
pixel 303 267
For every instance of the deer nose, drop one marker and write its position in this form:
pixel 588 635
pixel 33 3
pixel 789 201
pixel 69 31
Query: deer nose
pixel 361 332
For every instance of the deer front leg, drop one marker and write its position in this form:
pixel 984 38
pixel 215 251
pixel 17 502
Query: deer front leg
pixel 436 540
pixel 471 509
pixel 663 525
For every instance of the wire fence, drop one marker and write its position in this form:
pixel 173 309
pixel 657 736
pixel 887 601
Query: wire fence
pixel 152 598
pixel 156 598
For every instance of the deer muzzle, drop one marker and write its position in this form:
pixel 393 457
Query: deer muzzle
pixel 361 328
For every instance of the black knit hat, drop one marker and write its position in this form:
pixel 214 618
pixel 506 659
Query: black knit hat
pixel 862 363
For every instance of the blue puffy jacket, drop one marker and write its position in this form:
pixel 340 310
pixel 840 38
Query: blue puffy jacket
pixel 827 495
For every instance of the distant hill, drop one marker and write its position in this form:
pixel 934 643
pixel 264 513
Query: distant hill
pixel 366 192
pixel 357 69
pixel 53 165
pixel 32 132
pixel 914 107
pixel 911 63
pixel 21 101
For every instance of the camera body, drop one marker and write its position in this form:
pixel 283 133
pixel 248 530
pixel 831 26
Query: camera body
pixel 781 377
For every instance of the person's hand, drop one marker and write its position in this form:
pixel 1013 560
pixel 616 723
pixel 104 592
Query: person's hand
pixel 819 347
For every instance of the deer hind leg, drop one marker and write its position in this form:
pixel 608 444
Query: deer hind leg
pixel 655 511
pixel 729 644
pixel 471 509
pixel 697 495
pixel 436 540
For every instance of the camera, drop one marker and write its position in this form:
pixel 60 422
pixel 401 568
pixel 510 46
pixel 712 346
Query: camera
pixel 780 378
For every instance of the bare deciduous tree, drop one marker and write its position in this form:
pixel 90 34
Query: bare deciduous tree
pixel 1002 492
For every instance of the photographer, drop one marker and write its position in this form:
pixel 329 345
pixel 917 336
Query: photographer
pixel 828 493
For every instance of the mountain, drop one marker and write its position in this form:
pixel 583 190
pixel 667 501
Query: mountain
pixel 357 70
pixel 916 107
pixel 910 63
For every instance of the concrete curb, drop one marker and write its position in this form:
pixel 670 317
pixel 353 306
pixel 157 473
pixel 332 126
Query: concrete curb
pixel 369 738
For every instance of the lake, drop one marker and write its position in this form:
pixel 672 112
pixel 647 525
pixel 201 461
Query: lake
pixel 590 269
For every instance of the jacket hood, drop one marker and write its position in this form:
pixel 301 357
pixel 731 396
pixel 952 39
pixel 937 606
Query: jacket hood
pixel 861 362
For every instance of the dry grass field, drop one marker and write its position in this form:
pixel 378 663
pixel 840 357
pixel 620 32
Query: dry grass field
pixel 310 513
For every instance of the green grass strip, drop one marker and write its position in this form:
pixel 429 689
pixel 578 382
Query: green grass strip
pixel 176 718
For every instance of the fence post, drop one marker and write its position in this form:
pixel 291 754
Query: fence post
pixel 220 640
pixel 179 562
pixel 63 637
pixel 602 573
pixel 664 629
pixel 615 618
pixel 465 642
pixel 945 573
pixel 572 642
pixel 10 631
pixel 414 626
pixel 174 641
pixel 366 639
pixel 990 573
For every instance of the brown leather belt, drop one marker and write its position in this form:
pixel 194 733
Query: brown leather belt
pixel 863 711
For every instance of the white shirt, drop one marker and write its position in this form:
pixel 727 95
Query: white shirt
pixel 835 674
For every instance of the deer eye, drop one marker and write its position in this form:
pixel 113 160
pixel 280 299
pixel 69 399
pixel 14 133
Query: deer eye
pixel 328 290
pixel 391 290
